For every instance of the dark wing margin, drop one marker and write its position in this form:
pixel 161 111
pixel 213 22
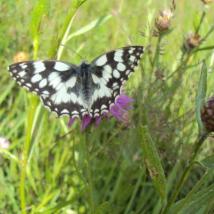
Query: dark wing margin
pixel 111 70
pixel 53 81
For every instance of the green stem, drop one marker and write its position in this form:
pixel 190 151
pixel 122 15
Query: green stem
pixel 89 174
pixel 200 23
pixel 186 173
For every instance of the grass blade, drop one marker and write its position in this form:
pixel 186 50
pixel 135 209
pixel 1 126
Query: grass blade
pixel 153 162
pixel 200 97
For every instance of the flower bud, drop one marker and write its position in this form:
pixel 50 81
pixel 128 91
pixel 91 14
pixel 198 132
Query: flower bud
pixel 207 115
pixel 207 1
pixel 20 57
pixel 193 40
pixel 163 21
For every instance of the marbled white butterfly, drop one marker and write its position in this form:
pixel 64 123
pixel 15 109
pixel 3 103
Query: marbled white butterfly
pixel 68 89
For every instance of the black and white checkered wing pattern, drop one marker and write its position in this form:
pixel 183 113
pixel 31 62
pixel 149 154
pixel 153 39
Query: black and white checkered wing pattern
pixel 111 71
pixel 53 81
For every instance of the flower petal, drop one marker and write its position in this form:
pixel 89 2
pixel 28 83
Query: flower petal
pixel 85 122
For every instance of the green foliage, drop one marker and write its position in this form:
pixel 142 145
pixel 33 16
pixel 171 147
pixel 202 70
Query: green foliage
pixel 153 162
pixel 151 166
pixel 200 97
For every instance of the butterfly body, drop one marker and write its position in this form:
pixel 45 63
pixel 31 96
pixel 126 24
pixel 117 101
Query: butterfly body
pixel 68 89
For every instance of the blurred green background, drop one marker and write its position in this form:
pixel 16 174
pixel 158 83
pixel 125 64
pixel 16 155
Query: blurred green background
pixel 48 167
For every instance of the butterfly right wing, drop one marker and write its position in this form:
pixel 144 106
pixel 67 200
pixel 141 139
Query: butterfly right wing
pixel 110 71
pixel 55 83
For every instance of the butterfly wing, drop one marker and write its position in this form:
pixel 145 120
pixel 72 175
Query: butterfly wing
pixel 111 70
pixel 55 83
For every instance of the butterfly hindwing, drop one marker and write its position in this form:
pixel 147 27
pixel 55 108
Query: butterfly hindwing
pixel 53 81
pixel 111 70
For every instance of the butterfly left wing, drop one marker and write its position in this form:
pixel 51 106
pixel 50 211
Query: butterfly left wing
pixel 111 70
pixel 53 81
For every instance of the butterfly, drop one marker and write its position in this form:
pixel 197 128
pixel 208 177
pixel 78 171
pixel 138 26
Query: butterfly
pixel 78 90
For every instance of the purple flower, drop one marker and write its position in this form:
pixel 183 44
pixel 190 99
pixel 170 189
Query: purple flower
pixel 119 110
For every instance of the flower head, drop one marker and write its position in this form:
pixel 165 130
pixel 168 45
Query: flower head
pixel 163 21
pixel 119 110
pixel 207 115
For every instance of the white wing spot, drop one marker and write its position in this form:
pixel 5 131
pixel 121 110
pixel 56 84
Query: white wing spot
pixel 43 83
pixel 71 82
pixel 65 111
pixel 131 50
pixel 39 67
pixel 132 58
pixel 103 107
pixel 127 72
pixel 60 66
pixel 22 73
pixel 101 61
pixel 95 79
pixel 96 110
pixel 54 80
pixel 28 85
pixel 36 78
pixel 23 65
pixel 14 71
pixel 75 112
pixel 115 85
pixel 116 74
pixel 121 67
pixel 118 56
pixel 45 92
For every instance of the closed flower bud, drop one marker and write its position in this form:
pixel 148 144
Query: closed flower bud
pixel 207 1
pixel 192 41
pixel 163 21
pixel 20 57
pixel 207 115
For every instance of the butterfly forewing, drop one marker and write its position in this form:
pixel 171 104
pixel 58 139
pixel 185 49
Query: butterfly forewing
pixel 53 81
pixel 111 70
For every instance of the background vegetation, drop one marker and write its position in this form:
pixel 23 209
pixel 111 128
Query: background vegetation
pixel 148 166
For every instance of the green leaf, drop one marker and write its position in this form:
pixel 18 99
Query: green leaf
pixel 153 162
pixel 200 97
pixel 200 200
pixel 97 22
pixel 208 162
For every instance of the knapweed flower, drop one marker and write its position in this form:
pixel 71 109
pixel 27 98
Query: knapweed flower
pixel 207 115
pixel 207 1
pixel 4 143
pixel 163 21
pixel 192 41
pixel 119 110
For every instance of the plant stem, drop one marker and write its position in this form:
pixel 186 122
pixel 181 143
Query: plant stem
pixel 186 172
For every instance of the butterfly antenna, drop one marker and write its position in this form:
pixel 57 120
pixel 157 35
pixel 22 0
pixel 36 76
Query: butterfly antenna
pixel 76 52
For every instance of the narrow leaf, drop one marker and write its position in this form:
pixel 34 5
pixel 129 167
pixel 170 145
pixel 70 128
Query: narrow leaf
pixel 153 162
pixel 200 97
pixel 97 22
pixel 208 162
